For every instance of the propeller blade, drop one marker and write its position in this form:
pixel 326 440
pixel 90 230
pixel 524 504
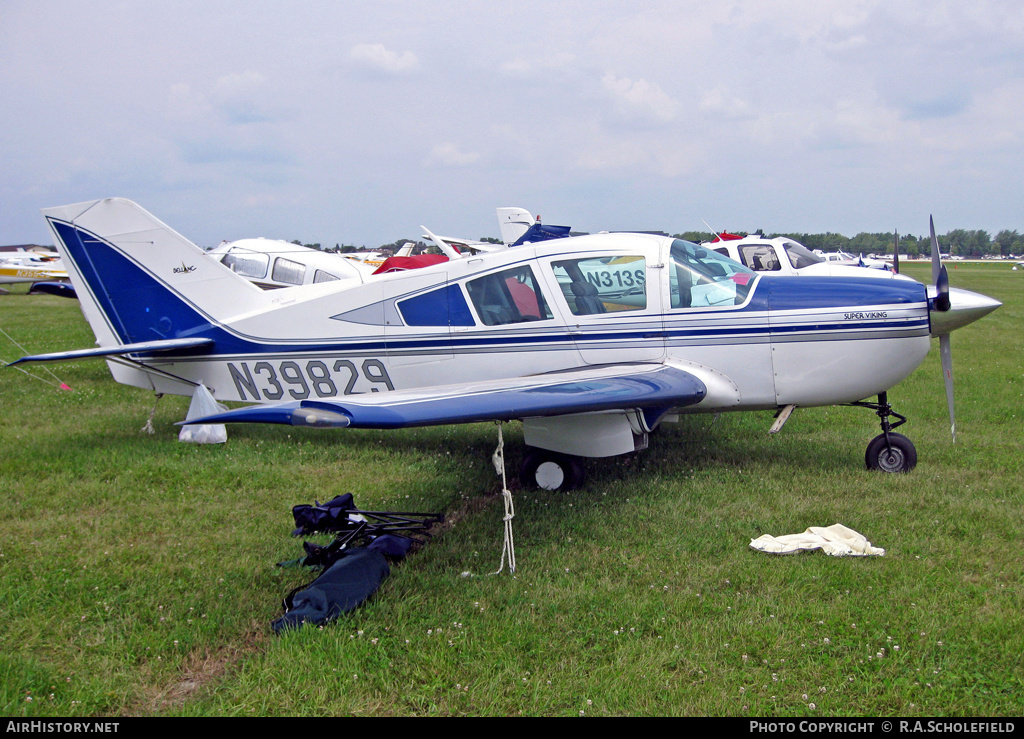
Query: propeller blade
pixel 939 276
pixel 946 354
pixel 942 302
pixel 896 252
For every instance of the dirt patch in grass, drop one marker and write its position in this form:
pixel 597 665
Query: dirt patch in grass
pixel 199 670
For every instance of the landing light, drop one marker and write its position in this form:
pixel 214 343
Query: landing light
pixel 319 418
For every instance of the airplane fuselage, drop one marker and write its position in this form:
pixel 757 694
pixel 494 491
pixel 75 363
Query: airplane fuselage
pixel 590 341
pixel 772 341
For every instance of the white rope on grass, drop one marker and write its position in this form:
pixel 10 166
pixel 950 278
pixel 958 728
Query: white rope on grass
pixel 57 381
pixel 508 550
pixel 58 384
pixel 148 428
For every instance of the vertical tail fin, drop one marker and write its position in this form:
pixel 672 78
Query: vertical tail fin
pixel 513 222
pixel 138 279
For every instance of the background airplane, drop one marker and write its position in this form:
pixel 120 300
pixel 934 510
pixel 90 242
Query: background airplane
pixel 524 333
pixel 842 257
pixel 16 268
pixel 272 264
pixel 782 255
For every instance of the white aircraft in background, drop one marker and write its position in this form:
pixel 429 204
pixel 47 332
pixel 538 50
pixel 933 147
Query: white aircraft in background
pixel 273 264
pixel 524 333
pixel 22 256
pixel 782 255
pixel 842 257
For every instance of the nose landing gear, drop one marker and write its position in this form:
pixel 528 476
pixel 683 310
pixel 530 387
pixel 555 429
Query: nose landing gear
pixel 888 452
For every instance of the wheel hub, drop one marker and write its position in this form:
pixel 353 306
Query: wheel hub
pixel 550 476
pixel 891 460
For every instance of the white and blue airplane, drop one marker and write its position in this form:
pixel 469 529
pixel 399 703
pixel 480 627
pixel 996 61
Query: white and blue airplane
pixel 547 333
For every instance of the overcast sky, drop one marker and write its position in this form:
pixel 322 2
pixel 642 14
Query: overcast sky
pixel 356 122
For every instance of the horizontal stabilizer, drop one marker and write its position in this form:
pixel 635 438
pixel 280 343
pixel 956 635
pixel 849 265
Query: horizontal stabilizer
pixel 589 390
pixel 142 347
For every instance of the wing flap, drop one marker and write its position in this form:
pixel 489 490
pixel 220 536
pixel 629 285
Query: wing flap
pixel 589 390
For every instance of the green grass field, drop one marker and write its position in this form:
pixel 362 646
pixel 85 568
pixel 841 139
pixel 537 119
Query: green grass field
pixel 137 574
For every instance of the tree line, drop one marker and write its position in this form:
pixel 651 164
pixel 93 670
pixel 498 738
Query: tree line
pixel 958 242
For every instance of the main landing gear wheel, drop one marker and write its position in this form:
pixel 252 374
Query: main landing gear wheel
pixel 551 470
pixel 895 454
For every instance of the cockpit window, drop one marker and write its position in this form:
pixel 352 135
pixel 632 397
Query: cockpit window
pixel 603 284
pixel 321 276
pixel 760 258
pixel 509 296
pixel 285 270
pixel 701 277
pixel 247 263
pixel 800 255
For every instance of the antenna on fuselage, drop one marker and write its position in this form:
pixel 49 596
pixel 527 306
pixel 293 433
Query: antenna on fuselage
pixel 714 233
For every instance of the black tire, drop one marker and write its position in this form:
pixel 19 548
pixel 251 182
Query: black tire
pixel 550 471
pixel 899 456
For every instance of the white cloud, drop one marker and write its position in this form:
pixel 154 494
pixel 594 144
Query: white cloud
pixel 640 97
pixel 865 122
pixel 851 43
pixel 638 156
pixel 717 102
pixel 517 67
pixel 377 57
pixel 239 86
pixel 1001 114
pixel 449 155
pixel 186 105
pixel 241 96
pixel 613 155
pixel 235 98
pixel 542 64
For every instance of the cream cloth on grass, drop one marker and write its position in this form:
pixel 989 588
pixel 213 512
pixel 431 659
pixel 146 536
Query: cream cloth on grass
pixel 837 540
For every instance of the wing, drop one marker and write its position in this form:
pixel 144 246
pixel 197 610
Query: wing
pixel 142 347
pixel 652 387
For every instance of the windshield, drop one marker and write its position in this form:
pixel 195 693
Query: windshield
pixel 800 256
pixel 702 277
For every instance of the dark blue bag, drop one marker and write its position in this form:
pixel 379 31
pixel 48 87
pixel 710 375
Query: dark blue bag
pixel 340 589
